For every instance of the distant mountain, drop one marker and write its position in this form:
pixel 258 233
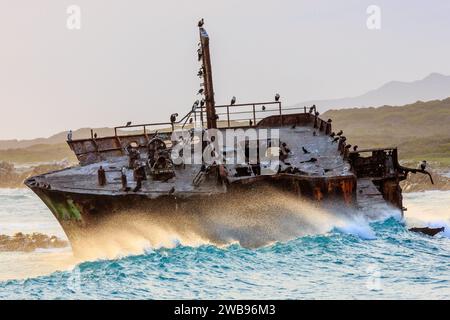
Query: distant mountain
pixel 434 86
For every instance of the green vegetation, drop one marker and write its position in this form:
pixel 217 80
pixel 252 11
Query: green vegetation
pixel 38 153
pixel 420 130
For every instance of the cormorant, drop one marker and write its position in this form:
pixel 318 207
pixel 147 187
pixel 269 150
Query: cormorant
pixel 340 133
pixel 173 117
pixel 332 134
pixel 355 148
pixel 200 91
pixel 128 124
pixel 335 140
pixel 233 100
pixel 195 105
pixel 201 23
pixel 423 165
pixel 277 97
pixel 263 108
pixel 304 150
pixel 310 160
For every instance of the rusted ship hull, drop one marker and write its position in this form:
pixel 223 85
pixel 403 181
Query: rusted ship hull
pixel 81 214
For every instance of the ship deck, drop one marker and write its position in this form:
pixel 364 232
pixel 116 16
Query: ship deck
pixel 83 179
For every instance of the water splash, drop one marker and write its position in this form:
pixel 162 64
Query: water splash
pixel 250 220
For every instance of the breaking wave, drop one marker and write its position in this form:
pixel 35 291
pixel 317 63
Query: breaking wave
pixel 252 221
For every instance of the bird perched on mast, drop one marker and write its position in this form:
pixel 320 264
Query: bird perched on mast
pixel 201 23
pixel 233 100
pixel 277 97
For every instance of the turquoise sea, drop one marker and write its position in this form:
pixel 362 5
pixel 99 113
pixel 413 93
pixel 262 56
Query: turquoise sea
pixel 303 253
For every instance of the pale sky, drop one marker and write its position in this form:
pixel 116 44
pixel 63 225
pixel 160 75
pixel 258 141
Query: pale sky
pixel 135 60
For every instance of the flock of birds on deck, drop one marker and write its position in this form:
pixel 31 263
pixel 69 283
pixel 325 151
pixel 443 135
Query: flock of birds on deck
pixel 335 137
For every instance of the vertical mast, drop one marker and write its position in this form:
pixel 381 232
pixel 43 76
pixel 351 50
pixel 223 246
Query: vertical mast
pixel 207 80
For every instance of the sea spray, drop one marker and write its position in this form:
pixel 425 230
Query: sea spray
pixel 250 220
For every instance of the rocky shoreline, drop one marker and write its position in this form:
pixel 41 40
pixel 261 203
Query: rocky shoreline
pixel 30 242
pixel 13 177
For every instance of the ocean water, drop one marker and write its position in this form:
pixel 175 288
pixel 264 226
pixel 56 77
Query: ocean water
pixel 295 252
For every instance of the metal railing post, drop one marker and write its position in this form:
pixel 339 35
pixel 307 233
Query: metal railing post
pixel 228 115
pixel 254 116
pixel 281 116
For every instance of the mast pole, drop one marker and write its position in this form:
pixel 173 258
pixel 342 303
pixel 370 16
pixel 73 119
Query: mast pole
pixel 207 79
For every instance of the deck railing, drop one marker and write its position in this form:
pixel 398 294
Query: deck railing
pixel 229 116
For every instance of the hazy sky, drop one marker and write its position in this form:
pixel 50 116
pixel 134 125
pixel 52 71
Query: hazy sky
pixel 136 60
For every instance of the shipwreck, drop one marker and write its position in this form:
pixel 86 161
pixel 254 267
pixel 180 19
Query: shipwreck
pixel 136 169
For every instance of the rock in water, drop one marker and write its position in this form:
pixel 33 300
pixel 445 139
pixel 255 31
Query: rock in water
pixel 29 242
pixel 428 231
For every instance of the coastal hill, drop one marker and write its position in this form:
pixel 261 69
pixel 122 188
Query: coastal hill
pixel 396 93
pixel 420 130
